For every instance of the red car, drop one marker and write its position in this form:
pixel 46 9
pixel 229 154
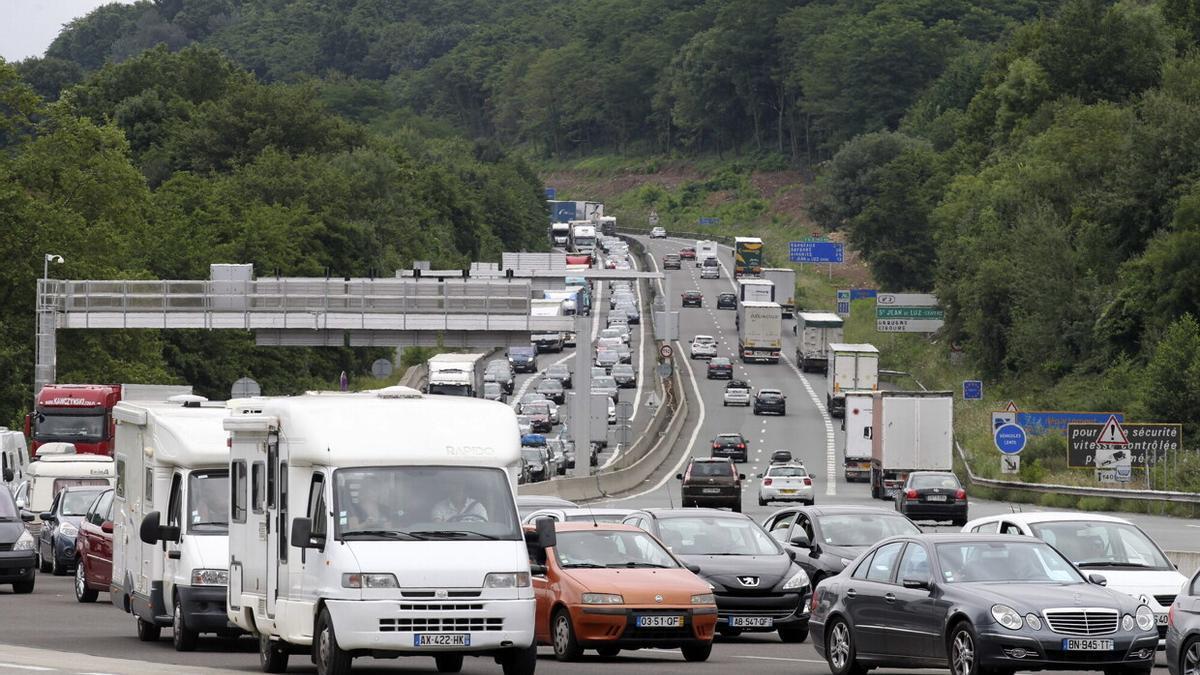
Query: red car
pixel 688 253
pixel 94 549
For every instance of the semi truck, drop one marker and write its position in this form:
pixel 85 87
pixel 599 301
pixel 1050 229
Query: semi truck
pixel 583 238
pixel 859 426
pixel 549 341
pixel 456 374
pixel 561 211
pixel 560 235
pixel 760 331
pixel 815 331
pixel 81 414
pixel 608 226
pixel 584 298
pixel 569 297
pixel 784 279
pixel 852 367
pixel 747 256
pixel 910 431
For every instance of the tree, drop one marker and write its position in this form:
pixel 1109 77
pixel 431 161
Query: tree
pixel 1171 389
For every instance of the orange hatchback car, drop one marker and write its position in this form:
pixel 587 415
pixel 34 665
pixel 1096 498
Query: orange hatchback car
pixel 610 587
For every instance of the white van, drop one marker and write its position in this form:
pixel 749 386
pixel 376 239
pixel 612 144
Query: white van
pixel 14 458
pixel 58 467
pixel 171 518
pixel 378 524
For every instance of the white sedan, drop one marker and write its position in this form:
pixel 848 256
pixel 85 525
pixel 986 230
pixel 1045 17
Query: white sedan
pixel 704 347
pixel 658 233
pixel 785 483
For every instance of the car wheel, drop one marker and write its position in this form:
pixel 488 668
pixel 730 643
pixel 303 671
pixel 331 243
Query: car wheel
pixel 272 656
pixel 82 592
pixel 183 638
pixel 608 652
pixel 697 652
pixel 566 647
pixel 963 650
pixel 23 587
pixel 840 651
pixel 448 663
pixel 520 661
pixel 331 659
pixel 56 569
pixel 148 632
pixel 793 635
pixel 1189 659
pixel 43 566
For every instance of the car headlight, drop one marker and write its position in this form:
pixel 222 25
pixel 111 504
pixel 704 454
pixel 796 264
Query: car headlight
pixel 1007 616
pixel 704 599
pixel 67 530
pixel 506 580
pixel 1145 618
pixel 798 580
pixel 1127 623
pixel 603 599
pixel 203 577
pixel 24 542
pixel 374 580
pixel 1033 621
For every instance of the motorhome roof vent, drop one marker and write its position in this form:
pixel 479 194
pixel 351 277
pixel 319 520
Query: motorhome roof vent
pixel 398 392
pixel 188 400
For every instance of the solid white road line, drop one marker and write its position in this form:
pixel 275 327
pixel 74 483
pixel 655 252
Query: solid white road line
pixel 779 658
pixel 641 356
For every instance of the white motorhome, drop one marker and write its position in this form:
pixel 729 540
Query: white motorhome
pixel 705 249
pixel 14 458
pixel 171 518
pixel 388 528
pixel 58 467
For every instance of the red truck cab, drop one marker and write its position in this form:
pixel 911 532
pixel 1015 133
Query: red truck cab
pixel 74 413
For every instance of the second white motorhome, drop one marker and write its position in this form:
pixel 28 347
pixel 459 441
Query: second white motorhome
pixel 58 467
pixel 171 518
pixel 388 527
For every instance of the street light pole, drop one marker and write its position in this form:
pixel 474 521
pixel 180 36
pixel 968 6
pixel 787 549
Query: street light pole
pixel 46 338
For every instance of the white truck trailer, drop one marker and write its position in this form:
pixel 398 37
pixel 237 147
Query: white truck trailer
pixel 456 374
pixel 760 331
pixel 784 279
pixel 859 424
pixel 389 528
pixel 910 431
pixel 815 331
pixel 549 341
pixel 755 290
pixel 852 367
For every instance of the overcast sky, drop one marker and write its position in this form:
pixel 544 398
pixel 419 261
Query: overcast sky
pixel 27 27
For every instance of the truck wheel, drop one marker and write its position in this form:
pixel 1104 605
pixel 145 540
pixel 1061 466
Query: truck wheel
pixel 272 656
pixel 331 659
pixel 737 507
pixel 182 638
pixel 147 632
pixel 448 663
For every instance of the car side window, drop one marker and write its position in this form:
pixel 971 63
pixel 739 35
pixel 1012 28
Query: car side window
pixel 104 508
pixel 1010 528
pixel 804 523
pixel 986 528
pixel 914 564
pixel 860 572
pixel 884 562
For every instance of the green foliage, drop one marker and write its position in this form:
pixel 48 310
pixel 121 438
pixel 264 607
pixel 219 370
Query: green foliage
pixel 1171 385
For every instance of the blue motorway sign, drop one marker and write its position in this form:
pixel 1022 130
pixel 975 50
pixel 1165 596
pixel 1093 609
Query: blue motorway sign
pixel 972 390
pixel 815 252
pixel 710 221
pixel 1046 421
pixel 862 293
pixel 1010 439
pixel 551 193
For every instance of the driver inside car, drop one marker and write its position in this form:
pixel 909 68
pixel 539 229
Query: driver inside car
pixel 458 506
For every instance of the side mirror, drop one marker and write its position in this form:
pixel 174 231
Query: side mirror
pixel 1098 579
pixel 537 570
pixel 106 527
pixel 302 534
pixel 47 516
pixel 741 476
pixel 149 530
pixel 918 583
pixel 26 516
pixel 758 475
pixel 678 476
pixel 800 541
pixel 546 535
pixel 694 569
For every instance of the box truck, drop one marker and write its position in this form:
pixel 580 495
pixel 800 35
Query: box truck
pixel 560 235
pixel 456 374
pixel 910 431
pixel 171 518
pixel 387 527
pixel 858 423
pixel 815 331
pixel 852 367
pixel 548 341
pixel 760 331
pixel 785 287
pixel 747 256
pixel 756 290
pixel 583 238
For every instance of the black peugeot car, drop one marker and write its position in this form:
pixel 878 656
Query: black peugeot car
pixel 758 586
pixel 770 401
pixel 933 495
pixel 978 604
pixel 827 538
pixel 731 445
pixel 692 299
pixel 18 549
pixel 719 368
pixel 727 301
pixel 523 359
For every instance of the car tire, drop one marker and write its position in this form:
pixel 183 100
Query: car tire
pixel 57 569
pixel 82 592
pixel 272 656
pixel 448 663
pixel 148 632
pixel 762 502
pixel 183 638
pixel 43 566
pixel 840 651
pixel 756 410
pixel 562 635
pixel 520 661
pixel 737 507
pixel 23 587
pixel 331 659
pixel 608 652
pixel 962 650
pixel 696 652
pixel 793 635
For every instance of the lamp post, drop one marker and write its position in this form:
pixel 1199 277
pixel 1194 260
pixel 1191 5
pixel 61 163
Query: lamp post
pixel 45 347
pixel 50 258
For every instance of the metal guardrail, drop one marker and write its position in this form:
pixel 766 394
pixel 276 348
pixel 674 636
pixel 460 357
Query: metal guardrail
pixel 708 236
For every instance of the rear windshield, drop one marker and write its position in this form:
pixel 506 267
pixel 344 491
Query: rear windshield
pixel 60 483
pixel 787 472
pixel 729 439
pixel 712 469
pixel 930 481
pixel 722 362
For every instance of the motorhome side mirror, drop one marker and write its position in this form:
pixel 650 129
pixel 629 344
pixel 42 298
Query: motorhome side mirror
pixel 537 570
pixel 800 541
pixel 302 533
pixel 546 534
pixel 47 515
pixel 26 516
pixel 918 583
pixel 169 533
pixel 149 530
pixel 678 476
pixel 106 527
pixel 1098 579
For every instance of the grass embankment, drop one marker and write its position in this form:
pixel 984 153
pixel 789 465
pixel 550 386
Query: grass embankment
pixel 761 198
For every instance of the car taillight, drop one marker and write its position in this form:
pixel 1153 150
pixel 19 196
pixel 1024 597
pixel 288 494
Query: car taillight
pixel 911 494
pixel 767 481
pixel 807 480
pixel 1171 616
pixel 812 606
pixel 961 494
pixel 741 446
pixel 716 446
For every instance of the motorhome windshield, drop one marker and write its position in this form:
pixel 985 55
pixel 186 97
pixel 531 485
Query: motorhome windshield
pixel 450 389
pixel 424 503
pixel 56 426
pixel 208 502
